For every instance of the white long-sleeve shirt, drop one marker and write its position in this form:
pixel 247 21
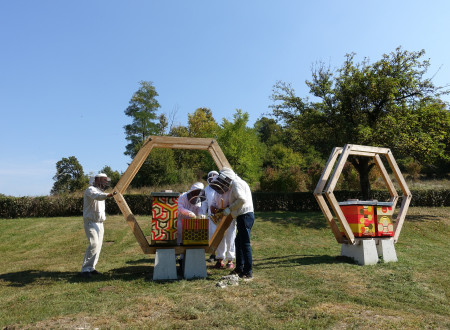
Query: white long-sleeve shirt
pixel 241 200
pixel 94 205
pixel 184 207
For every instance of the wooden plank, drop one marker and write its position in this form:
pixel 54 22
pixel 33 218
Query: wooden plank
pixel 327 170
pixel 329 216
pixel 131 220
pixel 134 167
pixel 387 180
pixel 218 156
pixel 179 249
pixel 338 170
pixel 361 153
pixel 181 146
pixel 376 150
pixel 172 140
pixel 340 216
pixel 219 233
pixel 401 217
pixel 398 174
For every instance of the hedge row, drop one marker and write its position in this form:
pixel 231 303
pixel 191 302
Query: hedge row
pixel 54 206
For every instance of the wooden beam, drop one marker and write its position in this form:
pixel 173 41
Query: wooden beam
pixel 219 233
pixel 327 170
pixel 375 150
pixel 131 220
pixel 398 174
pixel 401 217
pixel 340 216
pixel 338 170
pixel 329 216
pixel 218 155
pixel 387 180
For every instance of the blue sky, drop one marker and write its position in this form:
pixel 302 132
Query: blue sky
pixel 69 68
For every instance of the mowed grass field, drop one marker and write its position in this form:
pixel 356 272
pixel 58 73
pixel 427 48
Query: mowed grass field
pixel 300 281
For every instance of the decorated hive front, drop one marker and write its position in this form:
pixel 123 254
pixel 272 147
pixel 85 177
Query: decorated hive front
pixel 195 231
pixel 369 218
pixel 164 217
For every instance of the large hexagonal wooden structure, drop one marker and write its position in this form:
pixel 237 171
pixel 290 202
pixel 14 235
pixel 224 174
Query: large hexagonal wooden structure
pixel 167 142
pixel 326 185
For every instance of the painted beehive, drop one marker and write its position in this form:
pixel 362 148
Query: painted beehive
pixel 195 231
pixel 384 226
pixel 164 217
pixel 361 219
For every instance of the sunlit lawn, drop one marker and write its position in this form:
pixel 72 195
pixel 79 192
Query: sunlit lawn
pixel 299 282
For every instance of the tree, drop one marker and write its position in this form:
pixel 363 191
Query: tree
pixel 242 147
pixel 143 111
pixel 269 132
pixel 69 177
pixel 389 103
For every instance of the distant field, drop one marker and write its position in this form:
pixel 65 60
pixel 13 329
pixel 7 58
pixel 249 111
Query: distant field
pixel 299 282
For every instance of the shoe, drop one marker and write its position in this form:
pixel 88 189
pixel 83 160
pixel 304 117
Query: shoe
pixel 246 277
pixel 236 271
pixel 86 274
pixel 95 272
pixel 230 265
pixel 219 264
pixel 212 258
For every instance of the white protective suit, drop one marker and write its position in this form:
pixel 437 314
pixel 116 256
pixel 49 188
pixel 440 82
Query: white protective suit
pixel 226 248
pixel 188 210
pixel 93 216
pixel 240 195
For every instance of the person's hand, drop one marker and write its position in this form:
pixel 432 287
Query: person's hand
pixel 227 211
pixel 191 215
pixel 202 216
pixel 112 194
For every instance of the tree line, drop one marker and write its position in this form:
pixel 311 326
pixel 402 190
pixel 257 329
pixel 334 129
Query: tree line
pixel 389 103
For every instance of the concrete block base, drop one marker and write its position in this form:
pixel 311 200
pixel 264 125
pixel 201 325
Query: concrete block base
pixel 194 264
pixel 165 265
pixel 386 249
pixel 364 253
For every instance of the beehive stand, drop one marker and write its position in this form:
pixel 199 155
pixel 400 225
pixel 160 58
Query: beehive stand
pixel 352 246
pixel 167 142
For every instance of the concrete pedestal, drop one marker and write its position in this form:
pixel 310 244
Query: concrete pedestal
pixel 194 264
pixel 364 253
pixel 386 249
pixel 165 265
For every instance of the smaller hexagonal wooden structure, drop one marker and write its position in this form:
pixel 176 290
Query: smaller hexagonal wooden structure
pixel 168 142
pixel 326 185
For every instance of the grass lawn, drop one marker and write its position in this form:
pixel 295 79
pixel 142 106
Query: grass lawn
pixel 299 281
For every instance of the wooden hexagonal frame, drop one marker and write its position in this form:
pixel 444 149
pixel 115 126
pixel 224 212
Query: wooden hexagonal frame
pixel 323 188
pixel 167 142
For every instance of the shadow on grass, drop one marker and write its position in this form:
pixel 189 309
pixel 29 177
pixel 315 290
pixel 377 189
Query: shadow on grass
pixel 300 260
pixel 314 220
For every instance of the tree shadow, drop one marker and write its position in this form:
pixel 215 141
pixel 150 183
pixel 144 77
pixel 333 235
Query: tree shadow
pixel 421 218
pixel 314 220
pixel 300 260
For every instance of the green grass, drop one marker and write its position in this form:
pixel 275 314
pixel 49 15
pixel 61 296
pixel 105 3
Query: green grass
pixel 300 281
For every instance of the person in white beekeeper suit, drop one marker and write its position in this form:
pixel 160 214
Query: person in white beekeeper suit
pixel 240 206
pixel 210 194
pixel 191 204
pixel 93 218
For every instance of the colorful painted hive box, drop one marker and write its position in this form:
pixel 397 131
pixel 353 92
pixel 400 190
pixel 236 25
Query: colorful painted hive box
pixel 361 219
pixel 164 217
pixel 384 225
pixel 195 231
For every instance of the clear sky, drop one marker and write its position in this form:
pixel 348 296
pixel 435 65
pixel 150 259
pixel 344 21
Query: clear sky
pixel 68 69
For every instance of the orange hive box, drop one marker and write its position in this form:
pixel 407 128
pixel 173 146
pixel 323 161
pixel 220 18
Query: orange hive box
pixel 164 217
pixel 384 226
pixel 195 231
pixel 361 219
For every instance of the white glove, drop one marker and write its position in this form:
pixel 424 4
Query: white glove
pixel 226 212
pixel 202 216
pixel 192 215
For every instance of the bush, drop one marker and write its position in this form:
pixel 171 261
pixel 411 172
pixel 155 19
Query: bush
pixel 58 206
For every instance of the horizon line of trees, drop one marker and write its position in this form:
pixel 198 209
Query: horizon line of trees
pixel 388 103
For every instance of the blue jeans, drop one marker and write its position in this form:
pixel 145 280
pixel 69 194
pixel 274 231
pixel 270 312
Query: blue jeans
pixel 244 260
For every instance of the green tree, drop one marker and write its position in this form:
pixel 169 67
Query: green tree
pixel 69 177
pixel 269 131
pixel 389 103
pixel 242 147
pixel 143 111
